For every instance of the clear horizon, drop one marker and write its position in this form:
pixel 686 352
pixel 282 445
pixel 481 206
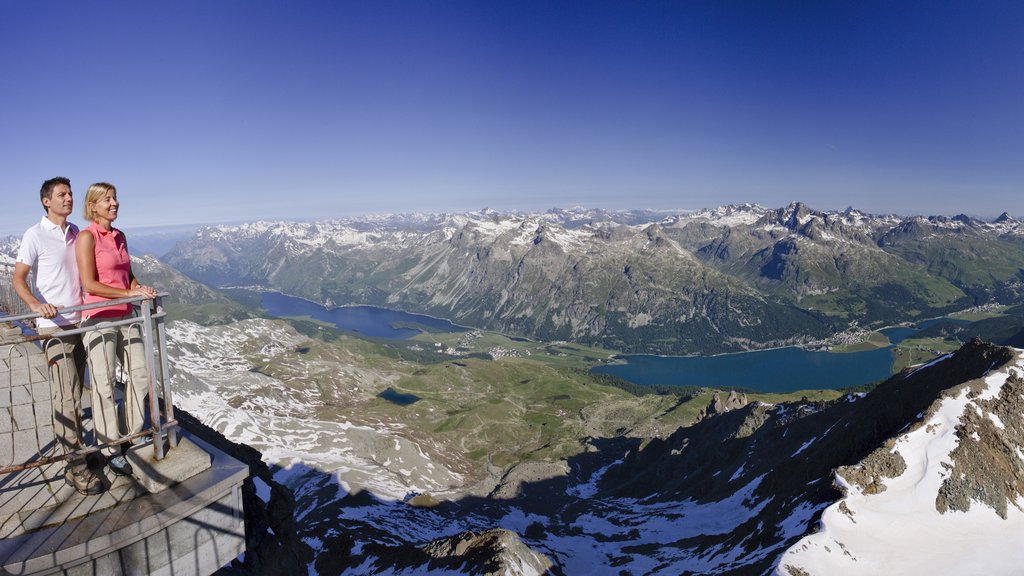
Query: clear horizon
pixel 161 228
pixel 235 111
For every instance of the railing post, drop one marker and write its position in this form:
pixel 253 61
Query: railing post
pixel 165 374
pixel 154 407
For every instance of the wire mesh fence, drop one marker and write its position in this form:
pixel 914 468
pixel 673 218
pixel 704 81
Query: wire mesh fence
pixel 10 304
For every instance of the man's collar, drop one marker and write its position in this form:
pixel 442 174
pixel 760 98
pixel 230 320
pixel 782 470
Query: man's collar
pixel 51 225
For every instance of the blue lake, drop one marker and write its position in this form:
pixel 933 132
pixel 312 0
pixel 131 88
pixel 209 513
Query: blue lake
pixel 897 334
pixel 367 320
pixel 398 398
pixel 779 370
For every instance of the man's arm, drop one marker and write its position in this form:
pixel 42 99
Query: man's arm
pixel 21 271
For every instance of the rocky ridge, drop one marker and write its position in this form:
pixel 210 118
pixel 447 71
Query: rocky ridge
pixel 728 279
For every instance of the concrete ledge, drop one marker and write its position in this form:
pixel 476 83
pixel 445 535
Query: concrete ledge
pixel 199 544
pixel 9 333
pixel 183 462
pixel 184 516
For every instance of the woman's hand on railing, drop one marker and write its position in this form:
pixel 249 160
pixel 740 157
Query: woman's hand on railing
pixel 140 290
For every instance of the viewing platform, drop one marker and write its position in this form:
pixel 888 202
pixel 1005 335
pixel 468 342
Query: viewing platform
pixel 180 512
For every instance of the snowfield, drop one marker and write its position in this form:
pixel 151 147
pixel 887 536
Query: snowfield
pixel 900 531
pixel 216 384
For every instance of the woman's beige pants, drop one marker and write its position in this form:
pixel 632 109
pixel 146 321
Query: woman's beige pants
pixel 116 351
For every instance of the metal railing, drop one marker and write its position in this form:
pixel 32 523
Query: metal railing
pixel 27 396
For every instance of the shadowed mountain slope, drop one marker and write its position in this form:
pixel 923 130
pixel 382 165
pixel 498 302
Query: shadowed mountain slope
pixel 736 493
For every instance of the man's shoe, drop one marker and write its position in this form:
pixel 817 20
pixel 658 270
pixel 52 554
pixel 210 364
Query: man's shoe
pixel 84 480
pixel 119 465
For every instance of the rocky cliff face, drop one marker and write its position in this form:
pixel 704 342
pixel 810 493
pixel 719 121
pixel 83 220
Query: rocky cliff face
pixel 271 535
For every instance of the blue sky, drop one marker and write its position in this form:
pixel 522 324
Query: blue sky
pixel 227 110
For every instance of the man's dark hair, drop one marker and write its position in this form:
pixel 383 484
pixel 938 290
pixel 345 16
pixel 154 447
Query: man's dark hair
pixel 47 190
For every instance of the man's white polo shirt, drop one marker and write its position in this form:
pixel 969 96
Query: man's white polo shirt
pixel 50 252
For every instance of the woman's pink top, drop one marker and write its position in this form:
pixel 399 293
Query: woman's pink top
pixel 112 268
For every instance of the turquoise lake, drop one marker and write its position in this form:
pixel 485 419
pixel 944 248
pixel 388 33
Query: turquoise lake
pixel 778 370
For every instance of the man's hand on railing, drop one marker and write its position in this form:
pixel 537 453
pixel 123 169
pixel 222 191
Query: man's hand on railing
pixel 44 309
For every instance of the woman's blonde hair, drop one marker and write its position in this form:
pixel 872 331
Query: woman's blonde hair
pixel 93 195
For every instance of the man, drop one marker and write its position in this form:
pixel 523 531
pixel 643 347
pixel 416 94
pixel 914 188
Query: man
pixel 48 251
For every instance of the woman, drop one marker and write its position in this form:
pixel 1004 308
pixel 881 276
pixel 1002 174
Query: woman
pixel 106 269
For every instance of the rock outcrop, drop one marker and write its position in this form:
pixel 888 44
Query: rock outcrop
pixel 491 553
pixel 734 401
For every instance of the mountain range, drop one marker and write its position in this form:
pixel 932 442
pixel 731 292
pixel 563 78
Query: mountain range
pixel 729 279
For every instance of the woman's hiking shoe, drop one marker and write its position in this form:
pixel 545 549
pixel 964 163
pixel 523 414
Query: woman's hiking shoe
pixel 84 480
pixel 119 465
